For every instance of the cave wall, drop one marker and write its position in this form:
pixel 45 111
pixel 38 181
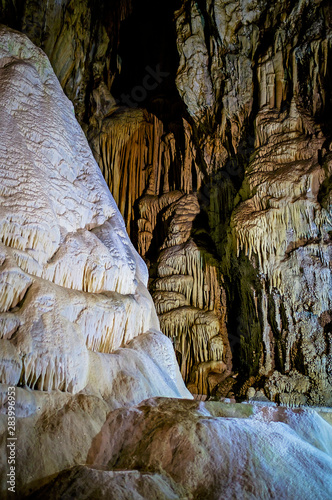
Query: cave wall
pixel 79 333
pixel 263 77
pixel 210 122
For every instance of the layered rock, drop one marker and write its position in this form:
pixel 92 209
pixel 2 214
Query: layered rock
pixel 240 114
pixel 149 167
pixel 73 288
pixel 80 336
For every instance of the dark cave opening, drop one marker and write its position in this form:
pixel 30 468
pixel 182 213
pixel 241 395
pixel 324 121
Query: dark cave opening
pixel 148 61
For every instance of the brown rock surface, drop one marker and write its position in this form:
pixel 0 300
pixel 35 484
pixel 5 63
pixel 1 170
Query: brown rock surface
pixel 211 124
pixel 222 172
pixel 209 450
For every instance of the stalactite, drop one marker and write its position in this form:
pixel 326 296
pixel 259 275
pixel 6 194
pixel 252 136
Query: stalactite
pixel 285 227
pixel 11 363
pixel 186 290
pixel 136 157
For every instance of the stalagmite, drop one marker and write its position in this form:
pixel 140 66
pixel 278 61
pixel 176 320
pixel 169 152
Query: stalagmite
pixel 73 288
pixel 220 164
pixel 186 290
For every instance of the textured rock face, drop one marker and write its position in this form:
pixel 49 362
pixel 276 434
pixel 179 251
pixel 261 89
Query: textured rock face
pixel 80 337
pixel 188 296
pixel 288 231
pixel 256 87
pixel 79 39
pixel 61 234
pixel 254 175
pixel 196 450
pixel 187 287
pixel 281 220
pixel 218 156
pixel 73 288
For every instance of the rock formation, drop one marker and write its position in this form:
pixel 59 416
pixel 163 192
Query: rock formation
pixel 269 71
pixel 175 449
pixel 210 123
pixel 253 166
pixel 73 288
pixel 101 409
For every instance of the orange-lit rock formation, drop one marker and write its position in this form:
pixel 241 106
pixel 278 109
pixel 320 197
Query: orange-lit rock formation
pixel 234 137
pixel 210 122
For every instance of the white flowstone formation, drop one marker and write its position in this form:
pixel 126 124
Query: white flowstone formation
pixel 78 326
pixel 72 284
pixel 188 449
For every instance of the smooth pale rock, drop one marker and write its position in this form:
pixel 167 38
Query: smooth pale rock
pixel 180 448
pixel 264 452
pixel 64 424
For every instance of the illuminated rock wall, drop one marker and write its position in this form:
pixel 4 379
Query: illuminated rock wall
pixel 221 172
pixel 234 224
pixel 72 284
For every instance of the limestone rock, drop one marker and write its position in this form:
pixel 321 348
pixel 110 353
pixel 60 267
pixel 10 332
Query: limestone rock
pixel 72 282
pixel 173 448
pixel 138 157
pixel 236 139
pixel 268 200
pixel 232 203
pixel 289 231
pixel 186 290
pixel 210 456
pixel 102 484
pixel 79 332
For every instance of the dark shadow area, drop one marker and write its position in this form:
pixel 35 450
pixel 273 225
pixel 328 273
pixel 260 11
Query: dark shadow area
pixel 11 13
pixel 148 62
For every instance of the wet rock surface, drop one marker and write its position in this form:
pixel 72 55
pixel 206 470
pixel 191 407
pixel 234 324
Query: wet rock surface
pixel 211 124
pixel 213 134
